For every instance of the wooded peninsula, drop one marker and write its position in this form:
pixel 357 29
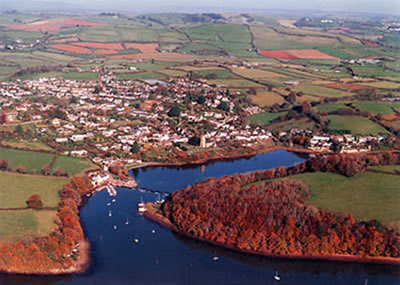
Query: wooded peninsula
pixel 265 213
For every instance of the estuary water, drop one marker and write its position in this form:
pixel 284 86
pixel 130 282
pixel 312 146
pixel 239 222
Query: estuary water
pixel 129 249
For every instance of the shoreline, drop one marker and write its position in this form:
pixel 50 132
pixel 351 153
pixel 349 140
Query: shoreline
pixel 163 221
pixel 79 267
pixel 226 157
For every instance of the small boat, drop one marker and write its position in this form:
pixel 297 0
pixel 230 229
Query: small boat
pixel 153 231
pixel 108 204
pixel 276 277
pixel 215 258
pixel 141 206
pixel 109 213
pixel 136 240
pixel 113 200
pixel 115 227
pixel 127 221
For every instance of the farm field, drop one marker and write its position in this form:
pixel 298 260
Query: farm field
pixel 242 83
pixel 296 54
pixel 216 74
pixel 173 72
pixel 256 73
pixel 383 84
pixel 51 24
pixel 71 165
pixel 32 161
pixel 264 118
pixel 269 39
pixel 21 186
pixel 304 123
pixel 320 91
pixel 376 107
pixel 21 224
pixel 357 125
pixel 265 98
pixel 367 196
pixel 32 145
pixel 140 75
pixel 331 107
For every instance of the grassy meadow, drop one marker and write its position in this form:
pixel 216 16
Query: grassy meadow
pixel 367 196
pixel 18 225
pixel 357 125
pixel 16 188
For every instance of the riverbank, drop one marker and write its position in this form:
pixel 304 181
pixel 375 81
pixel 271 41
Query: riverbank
pixel 81 265
pixel 151 214
pixel 223 157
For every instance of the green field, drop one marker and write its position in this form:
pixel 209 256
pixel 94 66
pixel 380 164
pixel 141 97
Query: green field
pixel 375 107
pixel 31 145
pixel 321 91
pixel 81 75
pixel 367 196
pixel 71 165
pixel 17 225
pixel 140 75
pixel 305 124
pixel 33 161
pixel 357 125
pixel 264 118
pixel 217 74
pixel 173 73
pixel 234 83
pixel 331 107
pixel 16 188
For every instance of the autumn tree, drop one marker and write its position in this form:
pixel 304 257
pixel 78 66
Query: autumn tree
pixel 34 202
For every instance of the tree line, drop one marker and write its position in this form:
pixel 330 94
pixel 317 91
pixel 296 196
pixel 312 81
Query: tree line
pixel 56 251
pixel 272 217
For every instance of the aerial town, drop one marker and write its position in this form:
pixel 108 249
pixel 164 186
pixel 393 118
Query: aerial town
pixel 110 120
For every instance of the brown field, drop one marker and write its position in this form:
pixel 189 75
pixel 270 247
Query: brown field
pixel 112 46
pixel 71 48
pixel 144 48
pixel 172 56
pixel 265 98
pixel 52 25
pixel 348 87
pixel 296 54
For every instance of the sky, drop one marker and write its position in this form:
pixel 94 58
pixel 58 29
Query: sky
pixel 377 6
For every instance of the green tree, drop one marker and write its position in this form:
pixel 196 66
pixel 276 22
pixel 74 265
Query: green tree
pixel 223 106
pixel 174 112
pixel 201 99
pixel 135 147
pixel 19 130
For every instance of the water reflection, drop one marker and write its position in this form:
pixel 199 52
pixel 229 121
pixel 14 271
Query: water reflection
pixel 290 266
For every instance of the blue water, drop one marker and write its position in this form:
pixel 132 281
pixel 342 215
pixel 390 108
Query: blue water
pixel 161 257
